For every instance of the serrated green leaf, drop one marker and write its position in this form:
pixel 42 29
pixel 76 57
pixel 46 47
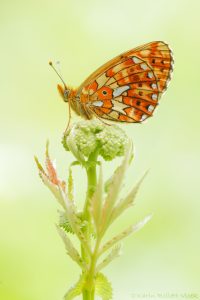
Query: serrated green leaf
pixel 76 290
pixel 109 181
pixel 114 189
pixel 70 192
pixel 49 178
pixel 103 287
pixel 74 221
pixel 114 253
pixel 131 229
pixel 71 250
pixel 40 168
pixel 54 189
pixel 64 222
pixel 126 202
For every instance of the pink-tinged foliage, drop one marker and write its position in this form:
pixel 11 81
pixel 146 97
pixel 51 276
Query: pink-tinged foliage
pixel 50 174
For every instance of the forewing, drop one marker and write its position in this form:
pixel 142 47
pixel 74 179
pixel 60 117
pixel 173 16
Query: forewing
pixel 128 87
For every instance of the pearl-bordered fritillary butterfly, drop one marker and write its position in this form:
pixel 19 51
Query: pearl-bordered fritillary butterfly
pixel 125 89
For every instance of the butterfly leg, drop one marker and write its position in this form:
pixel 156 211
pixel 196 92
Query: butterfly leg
pixel 69 119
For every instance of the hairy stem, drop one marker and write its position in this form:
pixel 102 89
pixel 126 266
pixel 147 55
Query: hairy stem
pixel 89 291
pixel 92 181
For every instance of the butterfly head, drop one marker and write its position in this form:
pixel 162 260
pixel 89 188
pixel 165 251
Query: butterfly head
pixel 64 92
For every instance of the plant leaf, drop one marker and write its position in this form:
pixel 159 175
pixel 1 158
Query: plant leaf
pixel 76 290
pixel 64 222
pixel 73 148
pixel 51 169
pixel 71 250
pixel 40 168
pixel 70 192
pixel 114 253
pixel 108 182
pixel 114 189
pixel 74 221
pixel 53 188
pixel 50 178
pixel 126 202
pixel 131 229
pixel 103 287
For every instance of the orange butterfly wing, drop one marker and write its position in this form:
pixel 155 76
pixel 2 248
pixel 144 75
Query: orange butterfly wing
pixel 128 87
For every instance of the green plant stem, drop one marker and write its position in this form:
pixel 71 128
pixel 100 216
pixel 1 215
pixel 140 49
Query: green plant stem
pixel 89 291
pixel 88 295
pixel 92 181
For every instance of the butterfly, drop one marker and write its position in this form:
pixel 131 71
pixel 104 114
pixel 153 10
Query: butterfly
pixel 125 89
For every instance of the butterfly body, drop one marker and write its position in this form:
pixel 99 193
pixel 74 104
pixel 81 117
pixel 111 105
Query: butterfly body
pixel 78 103
pixel 127 88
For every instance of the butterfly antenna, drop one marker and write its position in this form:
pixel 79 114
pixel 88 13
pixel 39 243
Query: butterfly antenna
pixel 51 64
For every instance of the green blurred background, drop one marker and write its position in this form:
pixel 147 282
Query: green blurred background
pixel 164 256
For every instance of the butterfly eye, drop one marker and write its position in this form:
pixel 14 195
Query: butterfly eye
pixel 104 92
pixel 66 94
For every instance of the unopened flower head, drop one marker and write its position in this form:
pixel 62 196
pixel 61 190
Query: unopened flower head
pixel 87 137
